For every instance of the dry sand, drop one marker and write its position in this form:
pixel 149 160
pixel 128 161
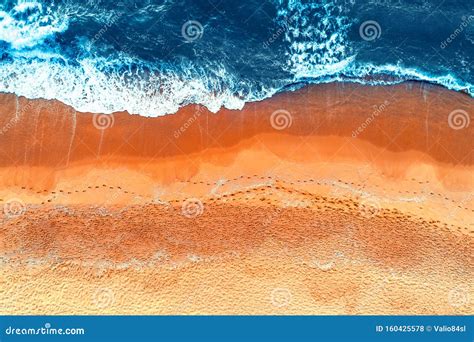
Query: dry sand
pixel 335 199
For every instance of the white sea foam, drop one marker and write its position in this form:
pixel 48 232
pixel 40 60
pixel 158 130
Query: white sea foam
pixel 401 73
pixel 29 23
pixel 321 53
pixel 388 74
pixel 316 38
pixel 94 86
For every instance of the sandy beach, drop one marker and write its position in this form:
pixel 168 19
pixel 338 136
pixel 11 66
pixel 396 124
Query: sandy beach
pixel 333 199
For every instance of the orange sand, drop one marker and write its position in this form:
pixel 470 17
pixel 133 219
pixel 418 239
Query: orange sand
pixel 202 213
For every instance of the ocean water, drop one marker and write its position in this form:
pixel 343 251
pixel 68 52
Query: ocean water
pixel 151 57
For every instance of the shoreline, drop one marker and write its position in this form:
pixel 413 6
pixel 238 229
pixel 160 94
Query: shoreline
pixel 288 89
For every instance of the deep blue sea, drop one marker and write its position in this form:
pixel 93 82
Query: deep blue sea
pixel 152 57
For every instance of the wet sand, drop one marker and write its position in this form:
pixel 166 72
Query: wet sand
pixel 334 199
